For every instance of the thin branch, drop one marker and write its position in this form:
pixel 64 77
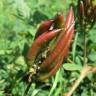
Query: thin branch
pixel 85 71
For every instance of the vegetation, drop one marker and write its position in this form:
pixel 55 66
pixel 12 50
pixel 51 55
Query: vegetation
pixel 19 22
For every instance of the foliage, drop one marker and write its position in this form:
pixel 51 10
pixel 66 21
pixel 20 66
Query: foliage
pixel 19 20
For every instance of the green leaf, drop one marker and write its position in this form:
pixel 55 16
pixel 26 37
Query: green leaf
pixel 72 67
pixel 74 46
pixel 92 56
pixel 2 93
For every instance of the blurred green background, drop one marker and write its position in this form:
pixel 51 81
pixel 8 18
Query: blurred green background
pixel 19 20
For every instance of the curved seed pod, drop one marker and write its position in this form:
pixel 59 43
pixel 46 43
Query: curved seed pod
pixel 58 23
pixel 57 64
pixel 58 61
pixel 49 68
pixel 81 9
pixel 66 47
pixel 44 27
pixel 69 19
pixel 38 42
pixel 61 42
pixel 43 76
pixel 53 55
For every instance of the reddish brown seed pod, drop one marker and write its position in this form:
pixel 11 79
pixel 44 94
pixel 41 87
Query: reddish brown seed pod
pixel 43 27
pixel 54 59
pixel 65 49
pixel 57 64
pixel 38 42
pixel 81 9
pixel 61 42
pixel 58 61
pixel 69 19
pixel 81 12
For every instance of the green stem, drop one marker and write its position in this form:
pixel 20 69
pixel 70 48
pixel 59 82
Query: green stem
pixel 85 47
pixel 27 89
pixel 55 83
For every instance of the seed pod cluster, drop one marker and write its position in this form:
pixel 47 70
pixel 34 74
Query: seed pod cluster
pixel 87 12
pixel 51 46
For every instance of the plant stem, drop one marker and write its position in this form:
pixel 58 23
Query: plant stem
pixel 55 83
pixel 27 89
pixel 86 69
pixel 85 47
